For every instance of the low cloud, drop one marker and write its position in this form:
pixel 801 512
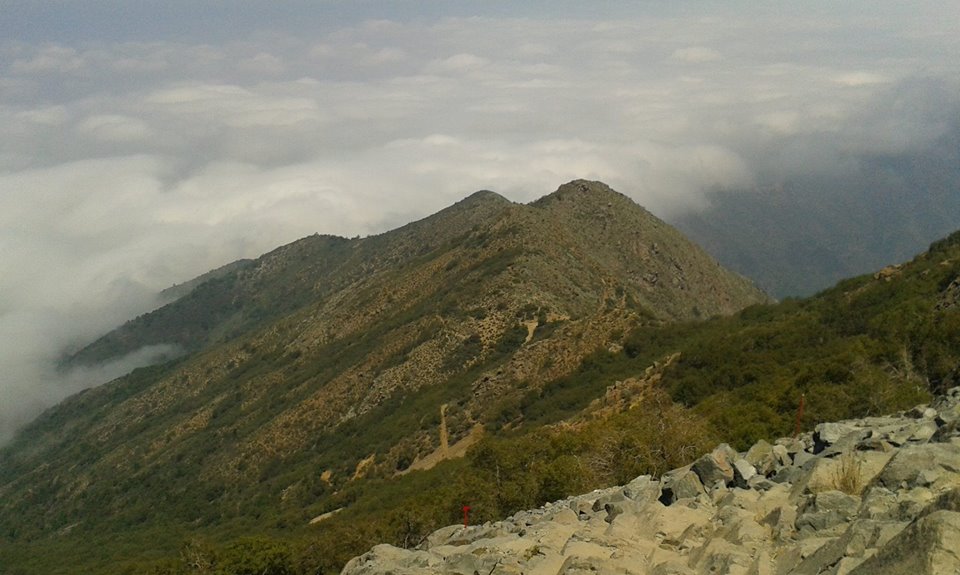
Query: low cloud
pixel 128 166
pixel 696 55
pixel 25 398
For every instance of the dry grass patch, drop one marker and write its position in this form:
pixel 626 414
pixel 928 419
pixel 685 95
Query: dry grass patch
pixel 848 474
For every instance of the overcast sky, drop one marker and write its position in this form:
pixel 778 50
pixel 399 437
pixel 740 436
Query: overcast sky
pixel 145 142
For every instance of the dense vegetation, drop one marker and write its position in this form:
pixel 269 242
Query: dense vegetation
pixel 501 475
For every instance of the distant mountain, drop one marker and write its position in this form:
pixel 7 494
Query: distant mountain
pixel 810 231
pixel 328 361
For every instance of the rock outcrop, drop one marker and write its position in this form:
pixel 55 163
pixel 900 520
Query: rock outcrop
pixel 877 496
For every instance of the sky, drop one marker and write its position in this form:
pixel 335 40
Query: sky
pixel 146 142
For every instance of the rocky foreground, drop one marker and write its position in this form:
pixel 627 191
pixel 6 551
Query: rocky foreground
pixel 877 496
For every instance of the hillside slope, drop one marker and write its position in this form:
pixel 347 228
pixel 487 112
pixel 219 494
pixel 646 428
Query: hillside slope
pixel 866 347
pixel 327 361
pixel 870 496
pixel 646 400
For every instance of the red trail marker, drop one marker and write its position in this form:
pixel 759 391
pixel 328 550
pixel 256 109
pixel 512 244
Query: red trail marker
pixel 796 429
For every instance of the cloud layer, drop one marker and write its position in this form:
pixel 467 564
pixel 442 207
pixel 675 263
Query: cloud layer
pixel 132 163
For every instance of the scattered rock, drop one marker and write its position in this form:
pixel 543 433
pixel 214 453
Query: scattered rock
pixel 917 462
pixel 830 433
pixel 681 486
pixel 643 489
pixel 928 546
pixel 878 495
pixel 825 511
pixel 763 457
pixel 716 466
pixel 743 471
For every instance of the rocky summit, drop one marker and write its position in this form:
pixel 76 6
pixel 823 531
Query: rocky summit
pixel 877 496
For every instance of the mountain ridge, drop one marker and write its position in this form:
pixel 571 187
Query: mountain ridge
pixel 336 253
pixel 330 352
pixel 577 384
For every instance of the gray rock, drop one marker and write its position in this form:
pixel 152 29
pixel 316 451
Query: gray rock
pixel 742 472
pixel 879 503
pixel 906 465
pixel 946 431
pixel 643 489
pixel 924 432
pixel 801 458
pixel 761 483
pixel 791 444
pixel 947 501
pixel 830 433
pixel 682 486
pixel 874 443
pixel 827 510
pixel 947 412
pixel 773 511
pixel 601 502
pixel 782 455
pixel 763 458
pixel 854 542
pixel 386 559
pixel 921 412
pixel 716 466
pixel 927 546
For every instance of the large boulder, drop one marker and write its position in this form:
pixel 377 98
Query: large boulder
pixel 827 512
pixel 743 472
pixel 764 459
pixel 921 465
pixel 643 489
pixel 927 546
pixel 684 484
pixel 852 545
pixel 716 466
pixel 831 434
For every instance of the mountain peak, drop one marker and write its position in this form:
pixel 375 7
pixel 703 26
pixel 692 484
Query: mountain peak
pixel 585 187
pixel 328 352
pixel 584 192
pixel 485 196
